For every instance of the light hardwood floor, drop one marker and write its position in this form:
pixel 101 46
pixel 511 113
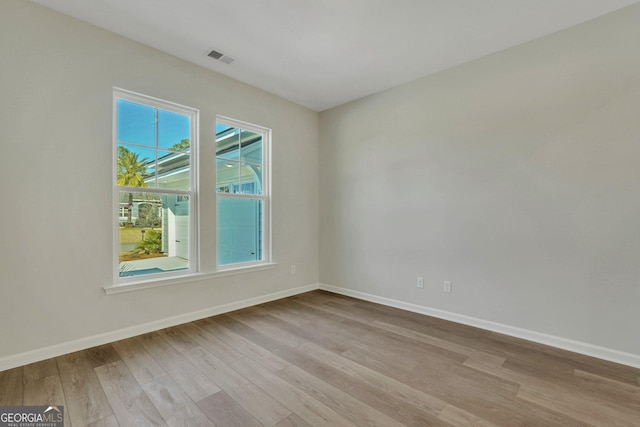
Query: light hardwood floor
pixel 320 359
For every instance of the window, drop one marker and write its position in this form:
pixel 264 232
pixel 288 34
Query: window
pixel 154 187
pixel 156 202
pixel 242 192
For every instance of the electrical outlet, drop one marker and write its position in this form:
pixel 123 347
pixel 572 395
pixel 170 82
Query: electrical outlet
pixel 293 269
pixel 420 282
pixel 447 286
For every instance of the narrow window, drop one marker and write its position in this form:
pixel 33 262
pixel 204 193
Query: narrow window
pixel 154 187
pixel 242 190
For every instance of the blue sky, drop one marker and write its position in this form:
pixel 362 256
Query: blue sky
pixel 137 125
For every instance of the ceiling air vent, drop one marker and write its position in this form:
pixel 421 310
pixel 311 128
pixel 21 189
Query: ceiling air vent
pixel 220 56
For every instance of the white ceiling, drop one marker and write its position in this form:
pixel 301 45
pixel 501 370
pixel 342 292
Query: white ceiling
pixel 323 53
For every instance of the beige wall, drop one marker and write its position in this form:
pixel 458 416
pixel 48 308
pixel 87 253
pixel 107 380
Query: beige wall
pixel 56 79
pixel 515 176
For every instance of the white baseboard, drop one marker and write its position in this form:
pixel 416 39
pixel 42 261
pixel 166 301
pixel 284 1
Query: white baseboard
pixel 25 358
pixel 13 361
pixel 587 349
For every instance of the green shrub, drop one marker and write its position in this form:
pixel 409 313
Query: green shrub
pixel 152 243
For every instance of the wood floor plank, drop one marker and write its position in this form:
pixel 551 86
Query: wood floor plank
pixel 481 359
pixel 178 339
pixel 549 395
pixel 446 387
pixel 298 358
pixel 398 353
pixel 225 412
pixel 293 421
pixel 110 421
pixel 102 355
pixel 487 398
pixel 383 344
pixel 464 335
pixel 250 397
pixel 382 366
pixel 303 405
pixel 245 346
pixel 392 406
pixel 42 386
pixel 280 334
pixel 349 407
pixel 259 323
pixel 397 409
pixel 187 376
pixel 382 353
pixel 590 412
pixel 616 391
pixel 177 409
pixel 11 387
pixel 386 384
pixel 458 417
pixel 211 343
pixel 542 360
pixel 403 336
pixel 85 397
pixel 131 406
pixel 427 339
pixel 312 327
pixel 247 332
pixel 143 367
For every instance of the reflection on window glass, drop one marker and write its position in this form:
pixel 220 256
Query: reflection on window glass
pixel 241 198
pixel 228 144
pixel 221 127
pixel 251 147
pixel 227 175
pixel 250 178
pixel 238 161
pixel 173 170
pixel 154 147
pixel 239 230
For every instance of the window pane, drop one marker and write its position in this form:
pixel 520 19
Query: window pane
pixel 227 176
pixel 220 127
pixel 136 123
pixel 136 166
pixel 251 147
pixel 239 230
pixel 174 169
pixel 154 233
pixel 174 131
pixel 250 179
pixel 228 144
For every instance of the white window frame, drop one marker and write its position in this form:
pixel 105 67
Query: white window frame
pixel 265 197
pixel 192 193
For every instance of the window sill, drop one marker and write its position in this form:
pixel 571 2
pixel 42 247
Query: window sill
pixel 196 277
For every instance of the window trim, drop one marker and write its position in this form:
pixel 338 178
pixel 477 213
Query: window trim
pixel 212 269
pixel 196 277
pixel 265 197
pixel 194 235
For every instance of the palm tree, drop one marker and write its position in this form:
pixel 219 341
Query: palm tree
pixel 183 145
pixel 131 172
